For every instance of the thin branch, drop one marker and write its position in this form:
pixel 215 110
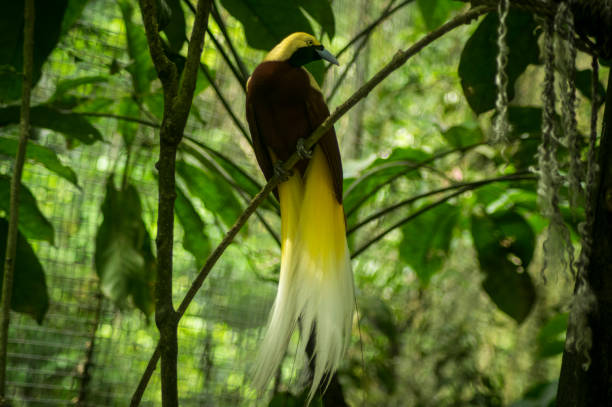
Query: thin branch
pixel 11 242
pixel 410 166
pixel 518 176
pixel 226 104
pixel 398 60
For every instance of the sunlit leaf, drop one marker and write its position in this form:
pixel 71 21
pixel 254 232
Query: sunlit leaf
pixel 29 295
pixel 212 190
pixel 40 154
pixel 65 86
pixel 504 244
pixel 124 259
pixel 478 67
pixel 71 125
pixel 195 240
pixel 32 223
pixel 426 240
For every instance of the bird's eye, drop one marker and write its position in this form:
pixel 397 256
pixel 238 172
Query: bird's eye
pixel 309 42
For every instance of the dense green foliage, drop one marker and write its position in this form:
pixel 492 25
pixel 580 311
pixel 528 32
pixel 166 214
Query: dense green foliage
pixel 427 200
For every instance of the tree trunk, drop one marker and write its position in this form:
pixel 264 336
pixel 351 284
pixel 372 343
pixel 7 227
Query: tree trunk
pixel 593 386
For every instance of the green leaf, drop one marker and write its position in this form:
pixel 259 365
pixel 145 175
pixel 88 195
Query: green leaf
pixel 71 125
pixel 29 295
pixel 48 16
pixel 214 193
pixel 321 11
pixel 435 12
pixel 128 129
pixel 267 22
pixel 382 170
pixel 42 155
pixel 32 223
pixel 195 240
pixel 124 259
pixel 584 83
pixel 73 13
pixel 463 135
pixel 539 395
pixel 477 67
pixel 505 242
pixel 551 339
pixel 426 240
pixel 141 67
pixel 65 86
pixel 175 30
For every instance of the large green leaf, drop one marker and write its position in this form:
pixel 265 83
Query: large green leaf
pixel 504 243
pixel 426 240
pixel 435 12
pixel 49 15
pixel 175 30
pixel 42 155
pixel 477 67
pixel 71 125
pixel 267 22
pixel 141 67
pixel 32 223
pixel 124 259
pixel 212 190
pixel 29 294
pixel 401 161
pixel 463 135
pixel 195 240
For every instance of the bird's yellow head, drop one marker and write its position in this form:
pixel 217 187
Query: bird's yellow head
pixel 299 49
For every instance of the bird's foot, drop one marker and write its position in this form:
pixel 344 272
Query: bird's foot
pixel 301 150
pixel 281 172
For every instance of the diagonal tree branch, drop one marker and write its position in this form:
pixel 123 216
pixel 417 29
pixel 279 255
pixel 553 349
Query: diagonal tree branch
pixel 11 242
pixel 398 60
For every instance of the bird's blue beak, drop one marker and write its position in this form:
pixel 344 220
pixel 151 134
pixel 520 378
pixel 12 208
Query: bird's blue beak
pixel 326 55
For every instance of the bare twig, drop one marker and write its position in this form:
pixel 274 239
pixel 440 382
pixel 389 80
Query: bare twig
pixel 398 60
pixel 518 176
pixel 11 242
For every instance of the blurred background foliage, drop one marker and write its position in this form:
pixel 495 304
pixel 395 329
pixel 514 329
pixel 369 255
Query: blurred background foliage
pixel 444 229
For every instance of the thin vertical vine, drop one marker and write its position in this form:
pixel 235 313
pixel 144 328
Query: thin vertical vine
pixel 11 244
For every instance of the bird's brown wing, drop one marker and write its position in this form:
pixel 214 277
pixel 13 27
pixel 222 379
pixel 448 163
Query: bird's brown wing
pixel 261 153
pixel 317 113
